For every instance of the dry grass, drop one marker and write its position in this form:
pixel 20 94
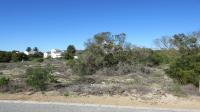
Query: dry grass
pixel 124 80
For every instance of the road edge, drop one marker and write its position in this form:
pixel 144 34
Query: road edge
pixel 94 105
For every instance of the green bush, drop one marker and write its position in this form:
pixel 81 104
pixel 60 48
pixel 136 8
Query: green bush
pixel 38 78
pixel 71 50
pixel 13 56
pixel 87 64
pixel 106 50
pixel 110 60
pixel 176 90
pixel 4 81
pixel 141 55
pixel 18 56
pixel 99 52
pixel 157 58
pixel 40 60
pixel 186 69
pixel 67 94
pixel 185 66
pixel 71 63
pixel 5 56
pixel 36 56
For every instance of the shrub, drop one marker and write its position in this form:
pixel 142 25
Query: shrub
pixel 4 81
pixel 71 50
pixel 40 60
pixel 69 56
pixel 106 50
pixel 101 50
pixel 67 94
pixel 5 56
pixel 186 69
pixel 156 58
pixel 140 55
pixel 14 56
pixel 87 64
pixel 176 90
pixel 110 60
pixel 38 78
pixel 71 63
pixel 35 56
pixel 17 56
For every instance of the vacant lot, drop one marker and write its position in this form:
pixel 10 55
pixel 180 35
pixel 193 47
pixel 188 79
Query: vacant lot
pixel 152 88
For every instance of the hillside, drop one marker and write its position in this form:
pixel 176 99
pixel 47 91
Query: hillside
pixel 152 84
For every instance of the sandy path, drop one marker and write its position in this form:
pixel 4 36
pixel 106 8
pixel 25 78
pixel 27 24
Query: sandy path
pixel 179 103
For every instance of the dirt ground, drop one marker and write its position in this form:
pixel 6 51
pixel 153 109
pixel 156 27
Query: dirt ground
pixel 139 89
pixel 166 102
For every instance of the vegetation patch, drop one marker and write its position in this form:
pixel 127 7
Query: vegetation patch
pixel 38 78
pixel 4 81
pixel 176 90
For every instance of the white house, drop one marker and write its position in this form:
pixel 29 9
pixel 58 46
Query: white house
pixel 54 53
pixel 30 52
pixel 75 57
pixel 47 54
pixel 26 52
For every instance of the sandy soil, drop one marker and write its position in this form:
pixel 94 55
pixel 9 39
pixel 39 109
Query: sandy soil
pixel 166 102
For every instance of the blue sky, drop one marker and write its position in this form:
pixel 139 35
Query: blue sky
pixel 51 24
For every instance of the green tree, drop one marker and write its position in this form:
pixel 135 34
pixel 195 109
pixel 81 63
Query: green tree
pixel 186 66
pixel 28 49
pixel 71 50
pixel 36 49
pixel 120 39
pixel 100 51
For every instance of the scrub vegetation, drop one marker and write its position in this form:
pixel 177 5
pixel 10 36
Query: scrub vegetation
pixel 109 65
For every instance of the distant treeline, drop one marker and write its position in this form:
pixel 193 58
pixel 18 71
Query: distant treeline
pixel 15 56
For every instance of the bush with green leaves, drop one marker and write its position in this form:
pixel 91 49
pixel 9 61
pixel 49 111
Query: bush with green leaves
pixel 4 81
pixel 110 60
pixel 5 56
pixel 40 60
pixel 86 64
pixel 106 50
pixel 38 78
pixel 13 56
pixel 37 55
pixel 99 52
pixel 157 58
pixel 71 50
pixel 19 57
pixel 185 68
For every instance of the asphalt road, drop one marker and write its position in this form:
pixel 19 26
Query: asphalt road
pixel 20 106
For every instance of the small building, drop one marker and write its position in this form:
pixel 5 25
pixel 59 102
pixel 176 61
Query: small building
pixel 54 53
pixel 30 52
pixel 26 52
pixel 75 57
pixel 47 55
